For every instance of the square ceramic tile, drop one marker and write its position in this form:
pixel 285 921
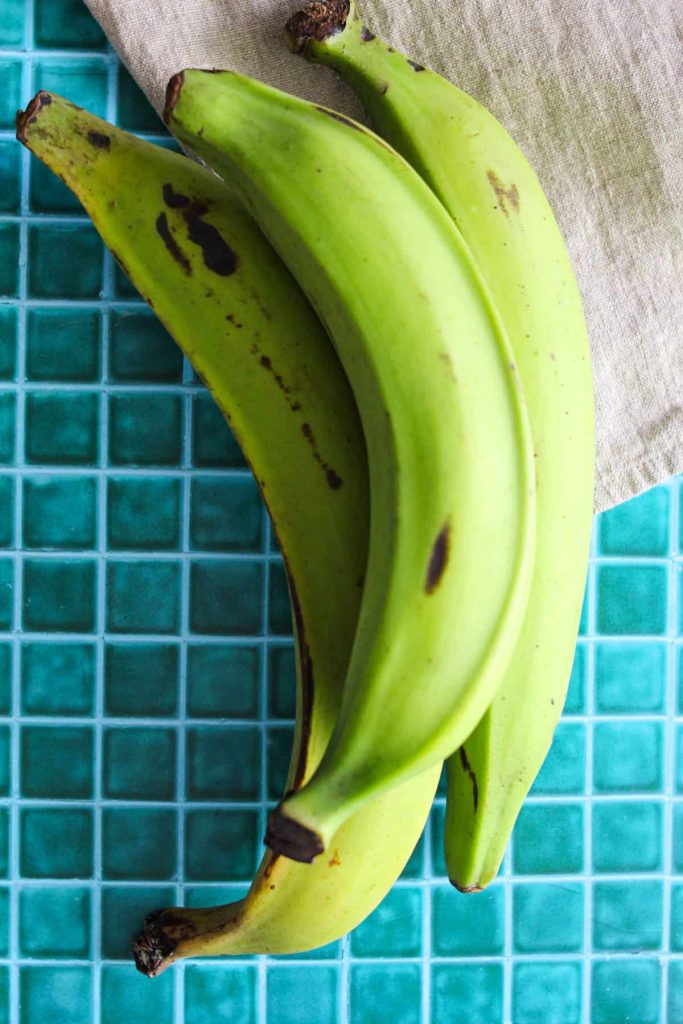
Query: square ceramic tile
pixel 11 70
pixel 628 836
pixel 82 79
pixel 626 988
pixel 63 345
pixel 62 428
pixel 223 763
pixel 297 994
pixel 281 681
pixel 125 996
pixel 226 597
pixel 57 761
pixel 59 595
pixel 224 991
pixel 223 680
pixel 55 922
pixel 221 845
pixel 385 994
pixel 467 993
pixel 548 839
pixel 79 276
pixel 630 678
pixel 632 599
pixel 72 663
pixel 144 513
pixel 140 350
pixel 143 596
pixel 139 763
pixel 394 929
pixel 10 175
pixel 145 429
pixel 226 513
pixel 59 513
pixel 564 769
pixel 139 844
pixel 44 988
pixel 545 992
pixel 13 24
pixel 56 842
pixel 637 527
pixel 462 926
pixel 627 757
pixel 547 917
pixel 141 679
pixel 627 917
pixel 60 24
pixel 213 445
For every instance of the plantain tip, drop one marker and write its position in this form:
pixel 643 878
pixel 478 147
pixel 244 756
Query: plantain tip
pixel 28 116
pixel 153 949
pixel 292 839
pixel 173 89
pixel 317 20
pixel 466 890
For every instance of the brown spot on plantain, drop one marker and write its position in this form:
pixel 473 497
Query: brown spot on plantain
pixel 217 254
pixel 467 768
pixel 317 20
pixel 99 140
pixel 175 200
pixel 504 195
pixel 26 117
pixel 414 65
pixel 334 860
pixel 438 559
pixel 172 246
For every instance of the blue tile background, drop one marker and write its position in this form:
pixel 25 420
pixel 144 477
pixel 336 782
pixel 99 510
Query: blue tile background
pixel 585 924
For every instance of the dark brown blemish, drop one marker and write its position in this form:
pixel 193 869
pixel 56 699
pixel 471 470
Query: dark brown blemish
pixel 173 90
pixel 467 768
pixel 231 318
pixel 99 140
pixel 218 256
pixel 333 479
pixel 318 20
pixel 171 244
pixel 267 364
pixel 176 200
pixel 26 117
pixel 414 65
pixel 153 950
pixel 504 195
pixel 437 560
pixel 292 839
pixel 366 35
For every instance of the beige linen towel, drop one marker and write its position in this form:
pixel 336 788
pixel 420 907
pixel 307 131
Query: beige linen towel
pixel 593 92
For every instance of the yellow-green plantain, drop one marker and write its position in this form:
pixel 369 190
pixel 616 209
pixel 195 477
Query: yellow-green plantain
pixel 486 184
pixel 240 318
pixel 451 466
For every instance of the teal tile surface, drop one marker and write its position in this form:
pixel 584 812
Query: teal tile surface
pixel 548 839
pixel 547 917
pixel 385 994
pixel 223 680
pixel 394 929
pixel 57 761
pixel 63 344
pixel 140 350
pixel 626 988
pixel 138 763
pixel 54 922
pixel 630 678
pixel 147 681
pixel 62 428
pixel 145 430
pixel 59 595
pixel 125 996
pixel 628 757
pixel 56 842
pixel 223 763
pixel 74 664
pixel 143 513
pixel 226 597
pixel 58 994
pixel 225 993
pixel 627 836
pixel 60 513
pixel 547 993
pixel 141 679
pixel 467 993
pixel 51 274
pixel 143 597
pixel 139 844
pixel 632 599
pixel 463 926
